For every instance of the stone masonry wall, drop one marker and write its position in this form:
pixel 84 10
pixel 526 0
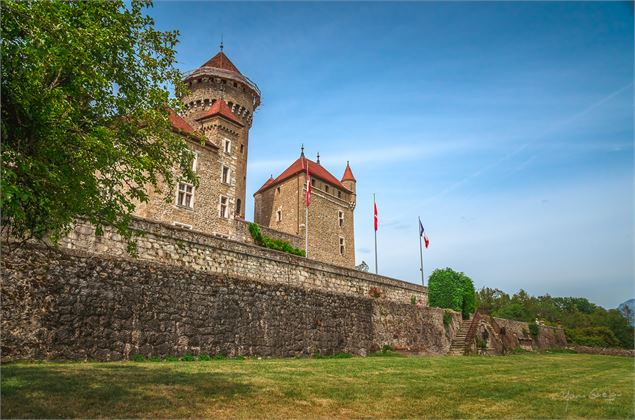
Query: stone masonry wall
pixel 72 304
pixel 183 248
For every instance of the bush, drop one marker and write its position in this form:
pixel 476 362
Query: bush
pixel 342 355
pixel 277 244
pixel 452 290
pixel 534 329
pixel 219 356
pixel 592 336
pixel 413 300
pixel 447 319
pixel 204 358
pixel 188 358
pixel 514 311
pixel 170 359
pixel 138 358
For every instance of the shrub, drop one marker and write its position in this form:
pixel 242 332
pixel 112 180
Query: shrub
pixel 277 244
pixel 447 319
pixel 318 355
pixel 592 336
pixel 514 311
pixel 154 359
pixel 342 355
pixel 170 359
pixel 452 290
pixel 138 358
pixel 386 347
pixel 534 329
pixel 219 356
pixel 204 358
pixel 375 292
pixel 413 300
pixel 480 343
pixel 188 358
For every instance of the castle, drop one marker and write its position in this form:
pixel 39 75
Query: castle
pixel 219 107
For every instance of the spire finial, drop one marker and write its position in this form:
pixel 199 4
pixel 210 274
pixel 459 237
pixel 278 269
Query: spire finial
pixel 318 158
pixel 221 41
pixel 302 150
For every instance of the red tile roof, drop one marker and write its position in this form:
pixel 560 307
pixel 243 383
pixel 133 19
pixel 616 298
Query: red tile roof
pixel 315 169
pixel 221 108
pixel 179 123
pixel 348 174
pixel 220 61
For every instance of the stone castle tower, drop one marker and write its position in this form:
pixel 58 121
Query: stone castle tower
pixel 219 107
pixel 280 204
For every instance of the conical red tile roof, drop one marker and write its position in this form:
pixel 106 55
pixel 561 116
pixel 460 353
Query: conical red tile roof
pixel 220 61
pixel 221 108
pixel 348 174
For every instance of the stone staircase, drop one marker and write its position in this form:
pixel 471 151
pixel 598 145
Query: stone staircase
pixel 458 347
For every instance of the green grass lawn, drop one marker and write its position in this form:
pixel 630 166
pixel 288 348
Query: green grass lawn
pixel 526 385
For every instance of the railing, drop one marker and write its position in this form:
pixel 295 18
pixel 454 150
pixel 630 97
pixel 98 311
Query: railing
pixel 471 333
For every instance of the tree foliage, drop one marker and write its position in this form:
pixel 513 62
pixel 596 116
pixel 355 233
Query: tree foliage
pixel 452 290
pixel 585 323
pixel 85 125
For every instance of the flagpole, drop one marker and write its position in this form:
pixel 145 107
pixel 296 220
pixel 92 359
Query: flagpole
pixel 306 223
pixel 374 206
pixel 421 253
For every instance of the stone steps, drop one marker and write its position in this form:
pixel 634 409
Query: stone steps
pixel 458 346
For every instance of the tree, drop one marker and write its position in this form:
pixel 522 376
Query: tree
pixel 85 126
pixel 450 289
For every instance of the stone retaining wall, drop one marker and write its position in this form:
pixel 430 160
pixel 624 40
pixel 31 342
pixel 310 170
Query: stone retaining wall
pixel 78 305
pixel 183 248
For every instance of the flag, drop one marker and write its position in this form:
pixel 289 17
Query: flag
pixel 375 213
pixel 422 233
pixel 308 185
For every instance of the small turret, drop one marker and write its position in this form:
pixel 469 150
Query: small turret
pixel 348 180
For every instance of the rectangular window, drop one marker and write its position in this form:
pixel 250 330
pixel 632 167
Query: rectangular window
pixel 342 247
pixel 339 194
pixel 227 146
pixel 182 225
pixel 224 208
pixel 326 188
pixel 340 217
pixel 185 195
pixel 225 175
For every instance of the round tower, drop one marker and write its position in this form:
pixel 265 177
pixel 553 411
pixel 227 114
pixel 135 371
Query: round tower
pixel 219 80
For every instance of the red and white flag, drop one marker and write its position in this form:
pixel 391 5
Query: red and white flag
pixel 308 185
pixel 375 213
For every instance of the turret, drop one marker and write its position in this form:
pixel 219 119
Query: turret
pixel 348 180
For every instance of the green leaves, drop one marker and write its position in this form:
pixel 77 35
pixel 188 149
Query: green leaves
pixel 451 290
pixel 85 126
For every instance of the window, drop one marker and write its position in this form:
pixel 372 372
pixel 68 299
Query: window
pixel 242 148
pixel 227 146
pixel 185 195
pixel 342 248
pixel 326 188
pixel 279 216
pixel 182 225
pixel 224 206
pixel 339 194
pixel 278 190
pixel 225 175
pixel 340 217
pixel 313 182
pixel 195 162
pixel 238 206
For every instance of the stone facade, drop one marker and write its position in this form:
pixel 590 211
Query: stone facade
pixel 280 204
pixel 219 108
pixel 77 304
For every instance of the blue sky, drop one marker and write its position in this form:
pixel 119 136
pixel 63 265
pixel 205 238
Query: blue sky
pixel 507 126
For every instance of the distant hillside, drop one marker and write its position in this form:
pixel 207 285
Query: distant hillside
pixel 628 309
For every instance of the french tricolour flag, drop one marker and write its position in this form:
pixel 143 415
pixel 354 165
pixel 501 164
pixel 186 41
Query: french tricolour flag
pixel 422 233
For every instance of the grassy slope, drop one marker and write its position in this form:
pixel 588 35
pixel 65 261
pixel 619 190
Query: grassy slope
pixel 554 385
